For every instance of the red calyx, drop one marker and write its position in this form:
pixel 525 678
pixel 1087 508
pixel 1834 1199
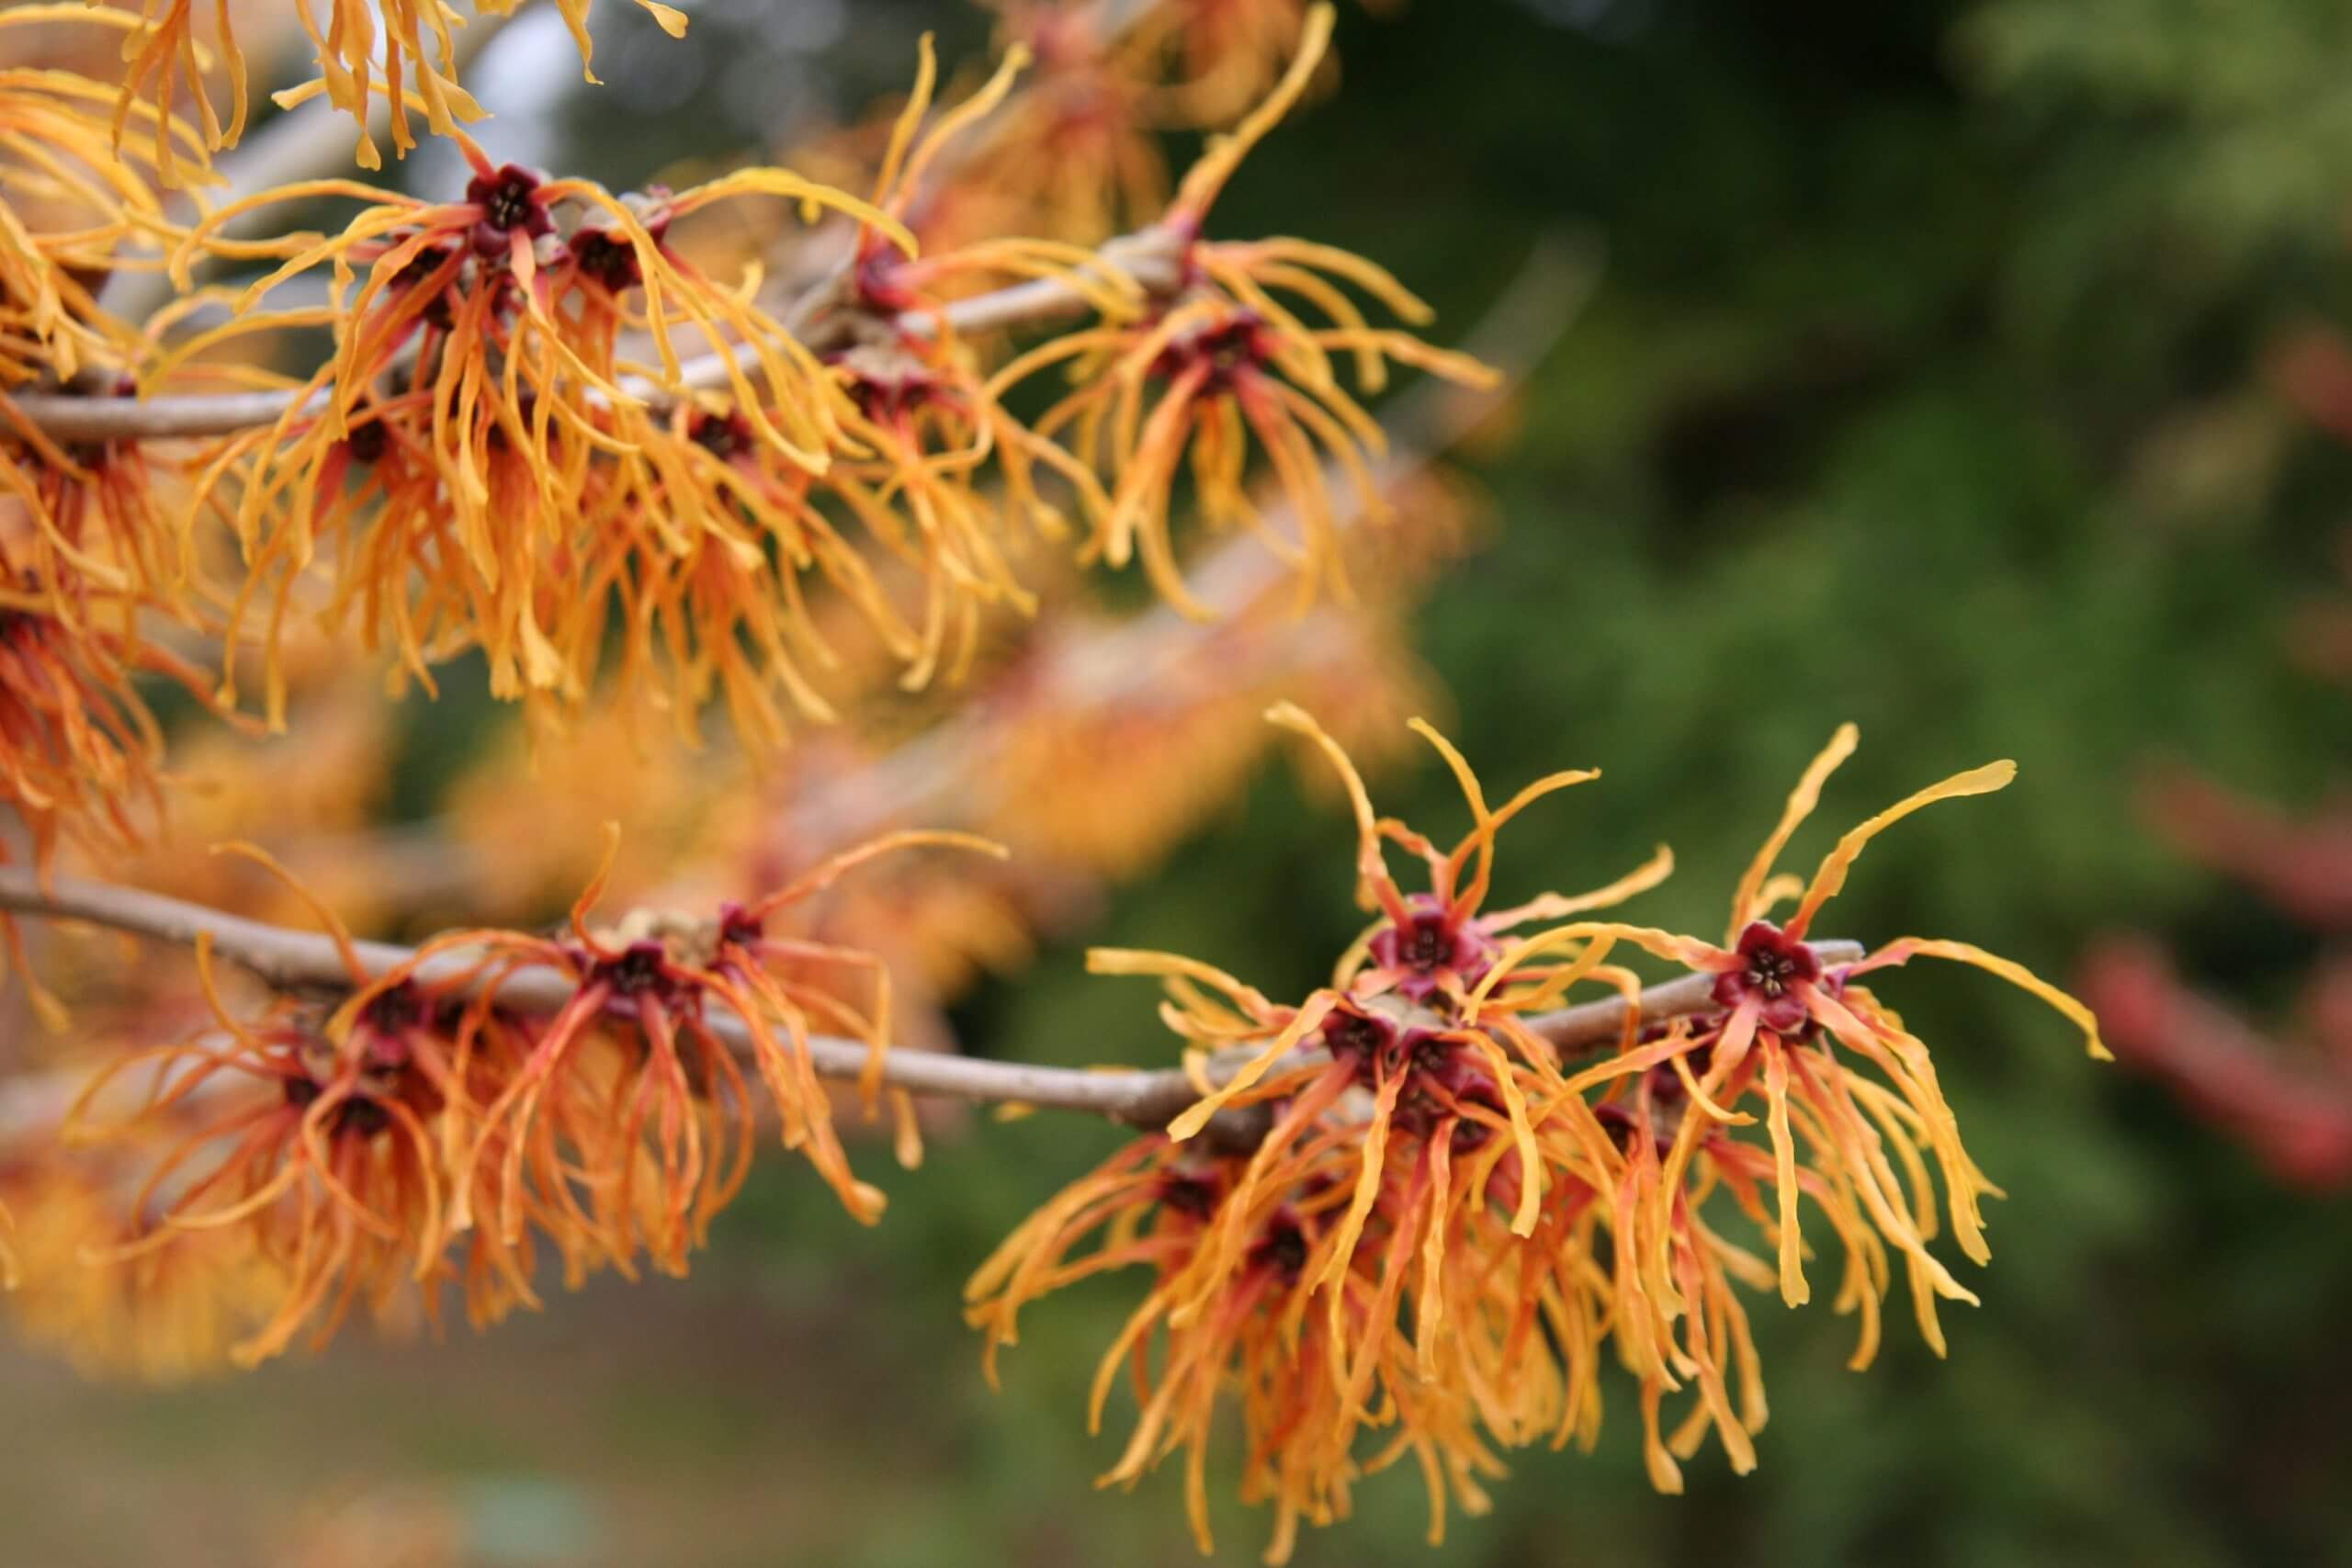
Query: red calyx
pixel 509 199
pixel 878 278
pixel 1430 942
pixel 1193 1196
pixel 725 436
pixel 1238 343
pixel 607 259
pixel 1772 964
pixel 1282 1247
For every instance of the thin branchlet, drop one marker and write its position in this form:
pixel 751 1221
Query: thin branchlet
pixel 309 963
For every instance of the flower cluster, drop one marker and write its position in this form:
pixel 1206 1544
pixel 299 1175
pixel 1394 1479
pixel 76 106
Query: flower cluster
pixel 413 68
pixel 75 202
pixel 1229 360
pixel 442 1128
pixel 159 1315
pixel 548 430
pixel 88 546
pixel 1402 1221
pixel 1077 157
pixel 477 461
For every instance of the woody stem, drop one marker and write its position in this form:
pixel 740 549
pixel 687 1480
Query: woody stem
pixel 290 960
pixel 1148 256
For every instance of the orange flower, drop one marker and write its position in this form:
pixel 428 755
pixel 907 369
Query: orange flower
pixel 163 1316
pixel 1468 1222
pixel 1781 1004
pixel 317 1153
pixel 480 450
pixel 424 1134
pixel 924 421
pixel 80 752
pixel 1230 362
pixel 1394 1179
pixel 1860 1144
pixel 1302 1403
pixel 1075 157
pixel 633 1081
pixel 94 513
pixel 407 74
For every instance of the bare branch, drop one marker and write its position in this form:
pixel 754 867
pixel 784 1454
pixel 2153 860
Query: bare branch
pixel 308 961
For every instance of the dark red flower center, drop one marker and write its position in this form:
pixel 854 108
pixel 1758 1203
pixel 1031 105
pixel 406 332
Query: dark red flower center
pixel 641 967
pixel 724 436
pixel 1772 964
pixel 1283 1248
pixel 1470 1135
pixel 509 201
pixel 1432 942
pixel 420 267
pixel 393 1009
pixel 509 198
pixel 883 399
pixel 607 259
pixel 1357 1037
pixel 1194 1197
pixel 360 1115
pixel 1622 1126
pixel 368 442
pixel 1237 344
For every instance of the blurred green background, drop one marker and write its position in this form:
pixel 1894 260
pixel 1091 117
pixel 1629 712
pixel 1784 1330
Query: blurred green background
pixel 1924 387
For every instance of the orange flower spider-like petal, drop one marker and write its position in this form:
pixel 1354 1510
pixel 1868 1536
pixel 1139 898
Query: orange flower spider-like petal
pixel 318 1154
pixel 510 484
pixel 163 1316
pixel 1228 364
pixel 888 281
pixel 415 68
pixel 924 420
pixel 1230 52
pixel 78 208
pixel 675 1098
pixel 1074 158
pixel 1465 1221
pixel 1302 1405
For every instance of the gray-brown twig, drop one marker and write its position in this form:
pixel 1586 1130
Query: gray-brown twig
pixel 1149 257
pixel 309 961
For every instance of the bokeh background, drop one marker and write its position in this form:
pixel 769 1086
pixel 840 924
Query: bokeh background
pixel 1962 369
